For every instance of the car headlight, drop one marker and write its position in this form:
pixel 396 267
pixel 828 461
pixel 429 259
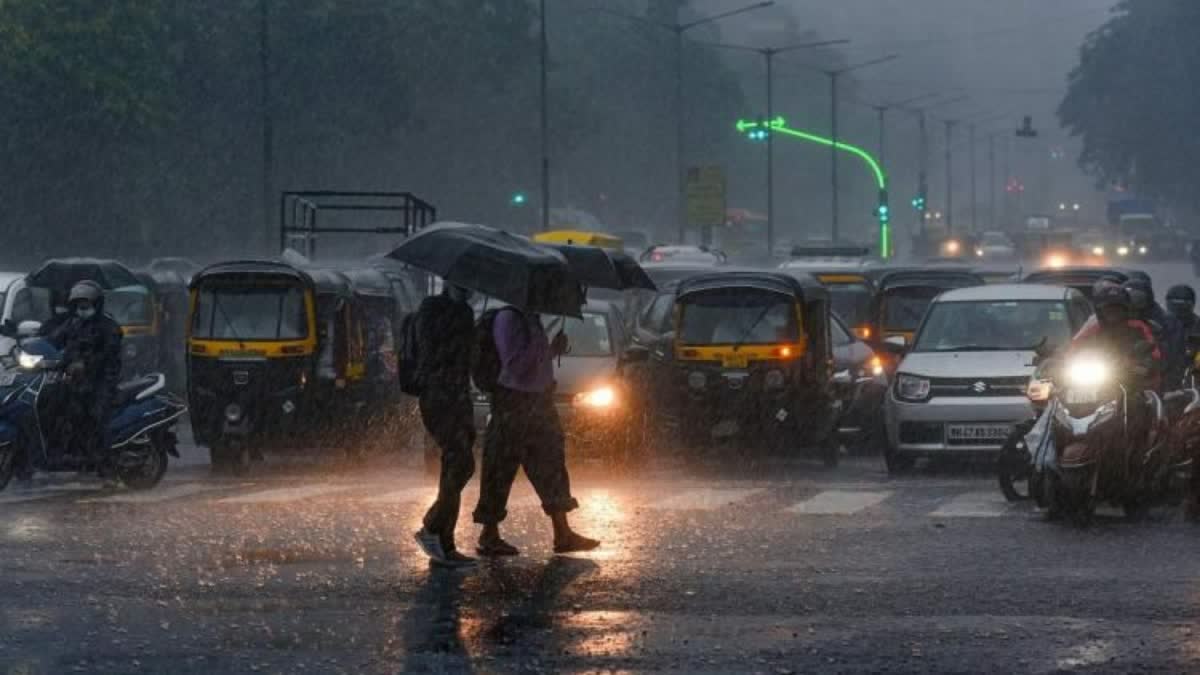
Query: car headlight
pixel 952 247
pixel 1097 250
pixel 1056 261
pixel 29 361
pixel 774 379
pixel 233 412
pixel 912 388
pixel 697 380
pixel 1142 250
pixel 1122 250
pixel 1087 372
pixel 1039 390
pixel 979 252
pixel 602 397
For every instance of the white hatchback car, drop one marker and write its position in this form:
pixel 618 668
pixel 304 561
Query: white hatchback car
pixel 961 384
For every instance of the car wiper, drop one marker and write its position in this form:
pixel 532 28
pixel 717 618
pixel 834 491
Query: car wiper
pixel 750 329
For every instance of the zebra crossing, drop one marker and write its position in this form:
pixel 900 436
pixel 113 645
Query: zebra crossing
pixel 836 501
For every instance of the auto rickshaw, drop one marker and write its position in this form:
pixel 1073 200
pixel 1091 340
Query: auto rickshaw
pixel 753 357
pixel 126 298
pixel 282 355
pixel 169 300
pixel 902 296
pixel 850 291
pixel 580 238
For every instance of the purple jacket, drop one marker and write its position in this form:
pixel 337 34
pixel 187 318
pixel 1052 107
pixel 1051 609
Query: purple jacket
pixel 526 360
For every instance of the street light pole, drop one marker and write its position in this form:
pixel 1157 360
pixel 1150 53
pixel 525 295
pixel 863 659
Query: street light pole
pixel 992 181
pixel 833 129
pixel 544 49
pixel 680 168
pixel 974 194
pixel 268 124
pixel 949 178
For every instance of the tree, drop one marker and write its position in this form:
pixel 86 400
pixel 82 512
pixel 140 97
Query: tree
pixel 1133 99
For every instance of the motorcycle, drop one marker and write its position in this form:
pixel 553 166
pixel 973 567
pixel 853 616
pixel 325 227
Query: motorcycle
pixel 1090 452
pixel 33 383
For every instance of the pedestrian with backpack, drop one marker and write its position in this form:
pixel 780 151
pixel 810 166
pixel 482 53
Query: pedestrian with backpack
pixel 515 367
pixel 439 340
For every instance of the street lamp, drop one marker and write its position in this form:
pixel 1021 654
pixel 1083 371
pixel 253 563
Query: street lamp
pixel 833 76
pixel 679 29
pixel 768 54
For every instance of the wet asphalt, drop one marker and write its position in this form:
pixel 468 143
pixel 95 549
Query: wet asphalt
pixel 308 565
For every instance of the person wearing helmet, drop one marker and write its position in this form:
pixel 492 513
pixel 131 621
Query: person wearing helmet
pixel 90 341
pixel 1167 331
pixel 1119 333
pixel 1181 305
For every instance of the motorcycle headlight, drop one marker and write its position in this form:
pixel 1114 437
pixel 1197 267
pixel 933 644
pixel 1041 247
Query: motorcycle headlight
pixel 697 380
pixel 774 379
pixel 912 388
pixel 602 397
pixel 29 361
pixel 1087 372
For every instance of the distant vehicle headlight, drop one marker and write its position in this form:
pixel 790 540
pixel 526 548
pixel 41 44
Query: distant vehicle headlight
pixel 1143 250
pixel 602 397
pixel 912 388
pixel 29 361
pixel 873 368
pixel 697 380
pixel 1097 250
pixel 1056 261
pixel 952 247
pixel 1122 250
pixel 979 252
pixel 774 379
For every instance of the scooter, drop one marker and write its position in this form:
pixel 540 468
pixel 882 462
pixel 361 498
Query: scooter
pixel 1089 453
pixel 141 431
pixel 1014 463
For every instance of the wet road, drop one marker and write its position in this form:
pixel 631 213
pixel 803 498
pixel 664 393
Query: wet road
pixel 787 567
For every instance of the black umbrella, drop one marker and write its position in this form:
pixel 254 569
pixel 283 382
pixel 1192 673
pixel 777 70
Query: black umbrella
pixel 597 267
pixel 497 264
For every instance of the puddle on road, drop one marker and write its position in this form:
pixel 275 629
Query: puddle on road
pixel 285 556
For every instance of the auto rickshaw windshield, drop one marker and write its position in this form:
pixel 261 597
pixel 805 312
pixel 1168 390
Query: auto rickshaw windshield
pixel 260 313
pixel 738 316
pixel 904 308
pixel 129 305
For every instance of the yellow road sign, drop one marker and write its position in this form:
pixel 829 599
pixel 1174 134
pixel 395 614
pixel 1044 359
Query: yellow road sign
pixel 705 196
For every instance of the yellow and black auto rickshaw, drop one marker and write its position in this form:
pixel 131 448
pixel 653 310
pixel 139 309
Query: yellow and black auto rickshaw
pixel 753 357
pixel 580 238
pixel 282 353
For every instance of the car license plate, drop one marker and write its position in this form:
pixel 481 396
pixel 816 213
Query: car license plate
pixel 1077 396
pixel 978 432
pixel 7 379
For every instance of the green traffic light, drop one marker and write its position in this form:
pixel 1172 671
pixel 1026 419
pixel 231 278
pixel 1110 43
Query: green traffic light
pixel 518 199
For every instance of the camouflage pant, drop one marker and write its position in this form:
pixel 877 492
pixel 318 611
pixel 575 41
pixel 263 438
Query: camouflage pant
pixel 524 432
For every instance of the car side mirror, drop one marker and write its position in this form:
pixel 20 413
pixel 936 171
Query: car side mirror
pixel 635 354
pixel 895 344
pixel 27 329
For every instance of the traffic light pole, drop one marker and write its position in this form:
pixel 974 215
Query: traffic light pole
pixel 992 181
pixel 974 194
pixel 833 150
pixel 545 120
pixel 923 170
pixel 680 169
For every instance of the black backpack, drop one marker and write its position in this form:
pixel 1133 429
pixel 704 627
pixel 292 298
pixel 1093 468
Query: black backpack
pixel 408 356
pixel 485 365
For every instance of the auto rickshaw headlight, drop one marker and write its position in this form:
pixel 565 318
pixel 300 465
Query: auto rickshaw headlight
pixel 233 412
pixel 697 380
pixel 774 379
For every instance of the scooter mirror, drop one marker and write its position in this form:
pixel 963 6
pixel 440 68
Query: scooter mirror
pixel 28 329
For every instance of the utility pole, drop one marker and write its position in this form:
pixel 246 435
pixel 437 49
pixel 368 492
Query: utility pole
pixel 769 55
pixel 949 178
pixel 268 125
pixel 544 49
pixel 992 182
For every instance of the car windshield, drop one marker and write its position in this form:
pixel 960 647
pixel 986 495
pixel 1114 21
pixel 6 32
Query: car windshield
pixel 129 305
pixel 264 313
pixel 1008 325
pixel 737 316
pixel 852 302
pixel 589 336
pixel 904 309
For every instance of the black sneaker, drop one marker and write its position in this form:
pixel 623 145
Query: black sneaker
pixel 456 560
pixel 431 544
pixel 495 548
